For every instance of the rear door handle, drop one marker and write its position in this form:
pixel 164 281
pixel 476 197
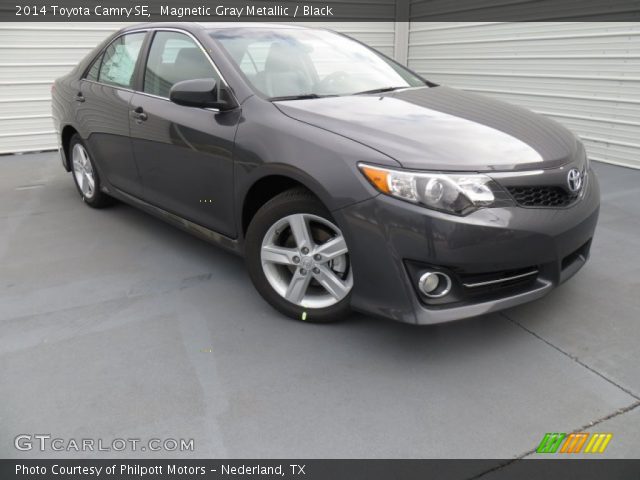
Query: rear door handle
pixel 80 98
pixel 139 114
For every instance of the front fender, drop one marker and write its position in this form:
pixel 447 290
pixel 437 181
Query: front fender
pixel 271 143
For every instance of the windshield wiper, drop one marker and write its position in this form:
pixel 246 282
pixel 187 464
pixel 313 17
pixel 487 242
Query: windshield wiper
pixel 303 96
pixel 379 90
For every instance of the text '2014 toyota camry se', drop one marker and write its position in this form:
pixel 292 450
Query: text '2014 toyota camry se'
pixel 345 179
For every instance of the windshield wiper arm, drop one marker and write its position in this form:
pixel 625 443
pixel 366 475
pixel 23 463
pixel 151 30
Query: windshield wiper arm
pixel 379 90
pixel 303 96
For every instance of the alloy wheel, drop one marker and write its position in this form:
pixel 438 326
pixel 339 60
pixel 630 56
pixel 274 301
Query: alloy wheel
pixel 83 170
pixel 306 261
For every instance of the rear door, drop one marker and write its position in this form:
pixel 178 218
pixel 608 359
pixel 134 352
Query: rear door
pixel 184 153
pixel 103 111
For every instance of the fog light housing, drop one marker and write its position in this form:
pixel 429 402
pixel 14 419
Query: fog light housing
pixel 434 284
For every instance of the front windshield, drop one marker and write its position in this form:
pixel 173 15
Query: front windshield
pixel 288 63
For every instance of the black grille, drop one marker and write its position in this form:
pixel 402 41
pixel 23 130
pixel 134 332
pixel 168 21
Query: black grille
pixel 543 196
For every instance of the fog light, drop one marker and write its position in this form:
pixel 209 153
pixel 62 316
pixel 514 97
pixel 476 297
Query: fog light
pixel 429 282
pixel 434 284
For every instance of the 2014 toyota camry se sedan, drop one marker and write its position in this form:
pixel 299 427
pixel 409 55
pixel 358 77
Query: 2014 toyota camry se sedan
pixel 346 180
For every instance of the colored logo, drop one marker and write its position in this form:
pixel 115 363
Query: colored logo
pixel 574 443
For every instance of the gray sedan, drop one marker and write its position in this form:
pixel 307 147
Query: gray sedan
pixel 343 178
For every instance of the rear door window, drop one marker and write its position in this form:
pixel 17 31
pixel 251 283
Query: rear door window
pixel 119 61
pixel 93 72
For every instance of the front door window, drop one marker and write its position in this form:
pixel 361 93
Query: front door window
pixel 174 57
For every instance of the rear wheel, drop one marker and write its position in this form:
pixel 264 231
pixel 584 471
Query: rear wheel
pixel 86 176
pixel 298 258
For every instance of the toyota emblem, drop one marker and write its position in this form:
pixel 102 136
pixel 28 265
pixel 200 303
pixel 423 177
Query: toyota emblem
pixel 574 180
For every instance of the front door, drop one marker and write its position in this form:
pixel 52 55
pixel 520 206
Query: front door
pixel 184 153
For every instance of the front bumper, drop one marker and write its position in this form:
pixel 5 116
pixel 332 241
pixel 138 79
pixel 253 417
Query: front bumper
pixel 391 242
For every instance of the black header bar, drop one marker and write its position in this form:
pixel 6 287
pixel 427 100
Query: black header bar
pixel 176 469
pixel 317 10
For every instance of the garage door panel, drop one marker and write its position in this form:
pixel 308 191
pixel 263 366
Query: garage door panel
pixel 443 31
pixel 25 108
pixel 587 46
pixel 19 72
pixel 26 91
pixel 34 141
pixel 628 135
pixel 601 65
pixel 52 36
pixel 599 110
pixel 611 153
pixel 551 85
pixel 45 54
pixel 20 126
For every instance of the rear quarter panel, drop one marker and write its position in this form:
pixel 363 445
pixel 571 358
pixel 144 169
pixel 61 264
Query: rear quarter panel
pixel 63 92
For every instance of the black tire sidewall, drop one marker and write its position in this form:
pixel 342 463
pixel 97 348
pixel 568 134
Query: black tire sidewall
pixel 285 204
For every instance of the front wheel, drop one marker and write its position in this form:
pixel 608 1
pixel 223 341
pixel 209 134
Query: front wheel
pixel 298 258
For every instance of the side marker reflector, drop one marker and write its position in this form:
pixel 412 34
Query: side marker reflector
pixel 377 177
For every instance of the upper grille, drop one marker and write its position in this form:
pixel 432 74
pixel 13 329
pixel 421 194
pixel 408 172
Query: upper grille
pixel 542 196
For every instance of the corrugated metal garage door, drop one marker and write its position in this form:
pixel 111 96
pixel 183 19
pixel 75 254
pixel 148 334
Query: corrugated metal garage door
pixel 585 75
pixel 33 55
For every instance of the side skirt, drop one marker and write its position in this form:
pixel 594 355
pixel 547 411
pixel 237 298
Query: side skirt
pixel 210 236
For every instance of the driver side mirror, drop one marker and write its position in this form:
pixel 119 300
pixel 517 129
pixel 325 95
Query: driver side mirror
pixel 201 93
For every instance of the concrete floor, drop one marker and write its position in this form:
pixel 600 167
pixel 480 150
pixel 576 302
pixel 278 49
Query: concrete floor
pixel 116 325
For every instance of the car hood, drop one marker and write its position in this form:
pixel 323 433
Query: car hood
pixel 442 128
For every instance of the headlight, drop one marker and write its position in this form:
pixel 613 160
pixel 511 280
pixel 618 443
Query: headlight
pixel 450 192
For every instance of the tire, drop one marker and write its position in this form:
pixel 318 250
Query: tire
pixel 85 175
pixel 291 234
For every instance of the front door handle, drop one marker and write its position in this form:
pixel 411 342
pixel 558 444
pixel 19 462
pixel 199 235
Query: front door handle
pixel 80 98
pixel 139 114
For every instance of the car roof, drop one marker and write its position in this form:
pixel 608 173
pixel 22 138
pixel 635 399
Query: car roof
pixel 209 26
pixel 222 25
